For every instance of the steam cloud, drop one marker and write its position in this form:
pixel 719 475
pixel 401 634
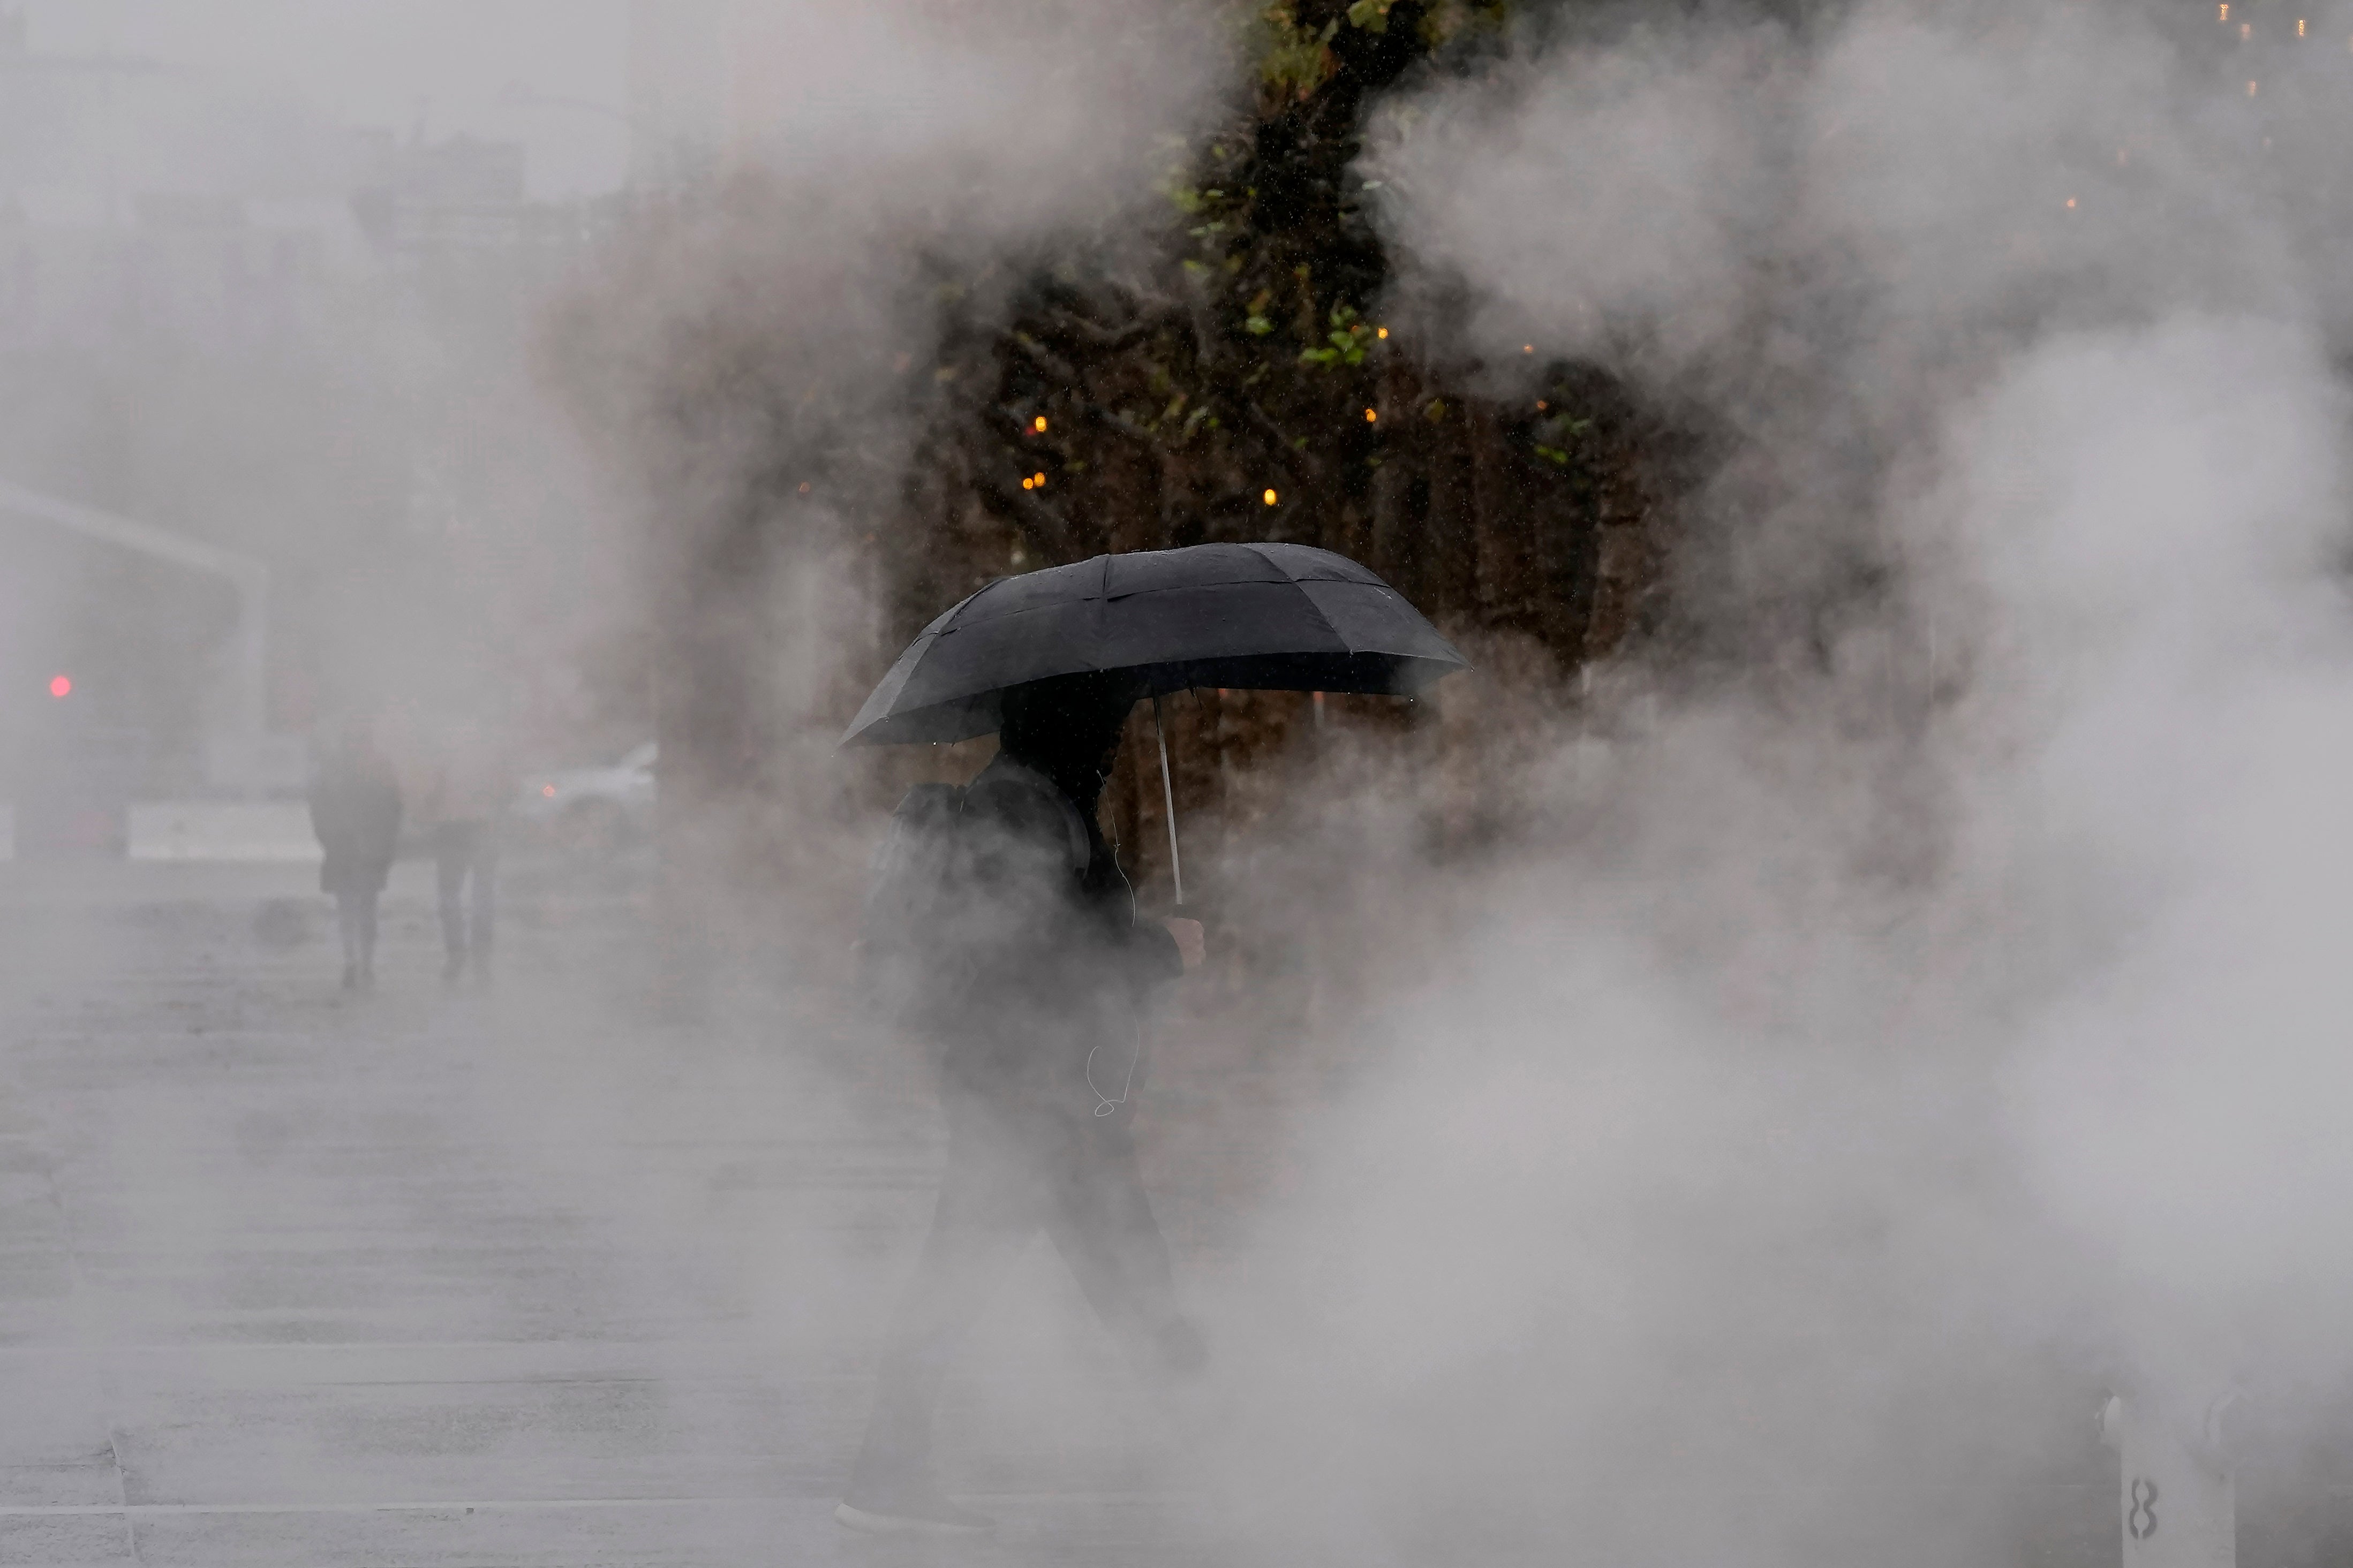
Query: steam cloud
pixel 1877 1040
pixel 1929 1016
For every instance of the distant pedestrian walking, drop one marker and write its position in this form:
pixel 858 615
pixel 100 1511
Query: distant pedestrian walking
pixel 356 811
pixel 465 799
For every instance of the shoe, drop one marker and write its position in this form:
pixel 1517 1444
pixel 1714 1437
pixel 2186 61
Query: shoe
pixel 913 1511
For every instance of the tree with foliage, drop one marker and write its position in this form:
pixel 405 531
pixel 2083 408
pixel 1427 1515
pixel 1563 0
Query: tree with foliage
pixel 1238 370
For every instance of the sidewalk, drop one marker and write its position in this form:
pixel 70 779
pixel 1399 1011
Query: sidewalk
pixel 470 1276
pixel 262 832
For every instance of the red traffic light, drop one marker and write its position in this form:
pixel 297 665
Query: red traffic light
pixel 62 686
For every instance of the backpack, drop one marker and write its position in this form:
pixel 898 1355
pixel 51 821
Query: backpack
pixel 922 887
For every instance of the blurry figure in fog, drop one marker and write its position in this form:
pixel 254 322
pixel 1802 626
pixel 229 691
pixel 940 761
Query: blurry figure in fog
pixel 465 796
pixel 355 812
pixel 1033 991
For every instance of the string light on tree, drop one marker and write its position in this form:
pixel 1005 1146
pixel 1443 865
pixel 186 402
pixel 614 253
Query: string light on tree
pixel 1039 479
pixel 1039 425
pixel 2246 31
pixel 1372 416
pixel 2071 203
pixel 1380 331
pixel 2223 13
pixel 62 686
pixel 1268 498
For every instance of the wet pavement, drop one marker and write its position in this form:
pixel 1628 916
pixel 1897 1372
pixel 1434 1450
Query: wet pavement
pixel 486 1275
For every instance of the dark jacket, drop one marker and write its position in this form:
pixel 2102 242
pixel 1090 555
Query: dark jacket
pixel 355 812
pixel 1057 967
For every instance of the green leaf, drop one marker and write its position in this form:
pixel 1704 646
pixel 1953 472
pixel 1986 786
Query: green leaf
pixel 1258 326
pixel 1372 15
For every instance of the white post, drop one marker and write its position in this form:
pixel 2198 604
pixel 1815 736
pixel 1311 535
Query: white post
pixel 2178 1506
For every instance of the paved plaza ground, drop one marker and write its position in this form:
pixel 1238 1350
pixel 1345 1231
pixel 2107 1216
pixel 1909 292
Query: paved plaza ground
pixel 547 1271
pixel 479 1275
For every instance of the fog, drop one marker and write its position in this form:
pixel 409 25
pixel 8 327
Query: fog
pixel 1900 1008
pixel 446 68
pixel 1917 1023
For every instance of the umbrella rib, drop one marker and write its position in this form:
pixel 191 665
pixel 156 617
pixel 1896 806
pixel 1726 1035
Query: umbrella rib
pixel 1346 650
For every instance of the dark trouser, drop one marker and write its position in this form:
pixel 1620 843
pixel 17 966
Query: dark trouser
pixel 461 849
pixel 1009 1172
pixel 355 918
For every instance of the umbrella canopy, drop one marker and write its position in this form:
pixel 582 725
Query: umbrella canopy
pixel 1285 617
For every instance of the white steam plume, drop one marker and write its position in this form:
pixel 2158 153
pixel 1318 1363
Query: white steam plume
pixel 1932 1019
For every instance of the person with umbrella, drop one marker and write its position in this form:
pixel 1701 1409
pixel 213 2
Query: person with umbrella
pixel 1036 1019
pixel 1031 969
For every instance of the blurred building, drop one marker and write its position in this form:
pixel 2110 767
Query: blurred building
pixel 231 319
pixel 681 88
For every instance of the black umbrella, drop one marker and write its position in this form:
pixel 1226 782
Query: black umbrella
pixel 1285 617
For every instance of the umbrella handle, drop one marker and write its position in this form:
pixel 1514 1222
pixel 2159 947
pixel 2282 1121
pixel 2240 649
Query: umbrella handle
pixel 1168 797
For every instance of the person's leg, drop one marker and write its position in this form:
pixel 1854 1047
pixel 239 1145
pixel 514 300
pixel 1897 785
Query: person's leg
pixel 367 906
pixel 987 1211
pixel 347 926
pixel 1101 1222
pixel 485 867
pixel 449 876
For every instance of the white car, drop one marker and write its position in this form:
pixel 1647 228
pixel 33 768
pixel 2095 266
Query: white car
pixel 595 807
